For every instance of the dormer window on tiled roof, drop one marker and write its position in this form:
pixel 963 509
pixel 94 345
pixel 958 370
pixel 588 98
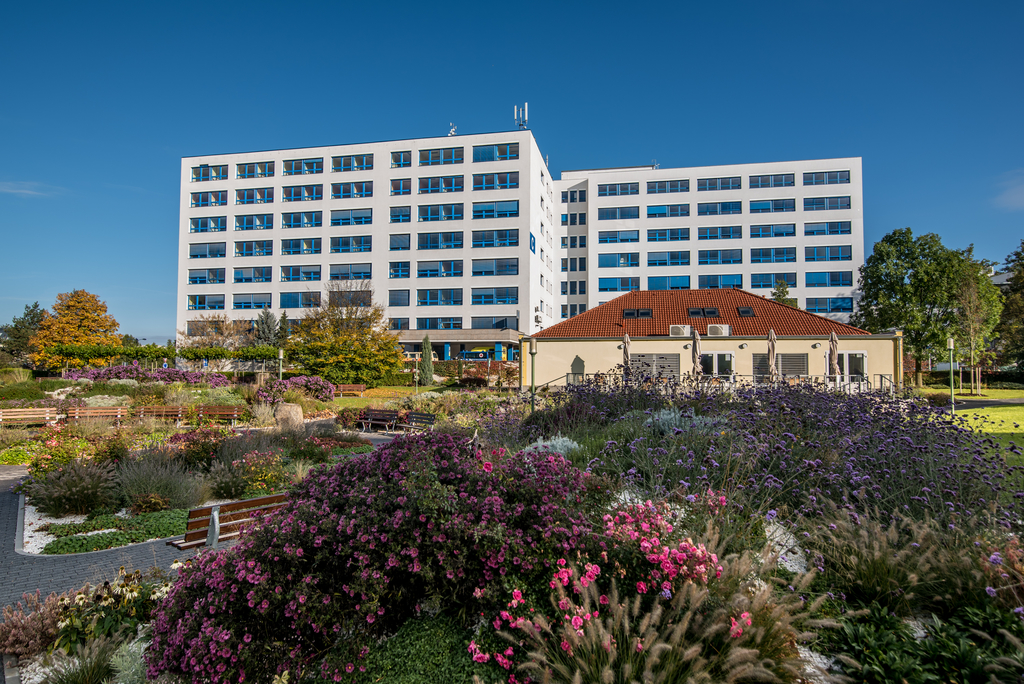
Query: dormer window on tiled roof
pixel 638 313
pixel 745 311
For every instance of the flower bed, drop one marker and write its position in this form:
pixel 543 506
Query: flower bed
pixel 140 374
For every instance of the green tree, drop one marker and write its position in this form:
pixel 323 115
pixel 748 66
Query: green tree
pixel 1011 323
pixel 283 329
pixel 981 304
pixel 129 341
pixel 781 294
pixel 426 362
pixel 266 329
pixel 912 284
pixel 15 337
pixel 78 318
pixel 346 339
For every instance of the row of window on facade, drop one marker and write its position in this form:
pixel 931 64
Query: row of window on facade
pixel 713 257
pixel 356 243
pixel 715 233
pixel 345 217
pixel 717 208
pixel 660 187
pixel 851 364
pixel 480 296
pixel 356 162
pixel 396 269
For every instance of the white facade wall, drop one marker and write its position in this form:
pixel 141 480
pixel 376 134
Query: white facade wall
pixel 590 180
pixel 537 216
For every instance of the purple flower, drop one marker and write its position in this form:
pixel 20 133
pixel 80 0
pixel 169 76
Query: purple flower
pixel 996 558
pixel 990 591
pixel 771 515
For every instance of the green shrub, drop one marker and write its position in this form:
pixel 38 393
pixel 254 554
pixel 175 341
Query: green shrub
pixel 349 417
pixel 225 482
pixel 30 628
pixel 115 448
pixel 131 530
pixel 11 376
pixel 426 650
pixel 79 487
pixel 20 454
pixel 161 477
pixel 22 390
pixel 129 663
pixel 89 665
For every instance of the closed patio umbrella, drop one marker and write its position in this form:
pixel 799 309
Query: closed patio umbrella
pixel 625 350
pixel 697 370
pixel 833 354
pixel 773 371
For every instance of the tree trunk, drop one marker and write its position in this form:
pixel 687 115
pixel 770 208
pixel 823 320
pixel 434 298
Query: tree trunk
pixel 918 375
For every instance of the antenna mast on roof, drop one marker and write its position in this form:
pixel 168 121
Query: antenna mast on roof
pixel 521 115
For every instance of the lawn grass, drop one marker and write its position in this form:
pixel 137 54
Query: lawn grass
pixel 992 394
pixel 379 395
pixel 1005 424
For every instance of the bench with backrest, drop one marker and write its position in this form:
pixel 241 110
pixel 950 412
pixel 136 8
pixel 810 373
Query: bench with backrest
pixel 340 390
pixel 211 525
pixel 175 413
pixel 379 417
pixel 415 420
pixel 29 416
pixel 114 413
pixel 232 413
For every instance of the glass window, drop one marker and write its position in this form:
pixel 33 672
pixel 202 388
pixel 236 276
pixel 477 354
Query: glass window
pixel 440 212
pixel 347 190
pixel 439 240
pixel 398 269
pixel 300 300
pixel 401 186
pixel 399 323
pixel 351 271
pixel 668 210
pixel 830 253
pixel 447 155
pixel 255 170
pixel 826 177
pixel 303 219
pixel 300 246
pixel 205 302
pixel 826 203
pixel 496 238
pixel 713 282
pixel 618 189
pixel 620 260
pixel 772 206
pixel 828 228
pixel 440 184
pixel 614 236
pixel 351 217
pixel 495 295
pixel 485 210
pixel 401 214
pixel 763 281
pixel 400 160
pixel 496 322
pixel 254 248
pixel 776 230
pixel 830 279
pixel 829 304
pixel 716 364
pixel 719 208
pixel 583 196
pixel 296 273
pixel 668 258
pixel 206 276
pixel 668 234
pixel 298 167
pixel 659 187
pixel 210 199
pixel 496 181
pixel 208 224
pixel 256 274
pixel 447 297
pixel 618 213
pixel 778 180
pixel 618 284
pixel 720 233
pixel 254 196
pixel 731 183
pixel 707 257
pixel 495 267
pixel 486 153
pixel 302 193
pixel 442 323
pixel 400 243
pixel 352 162
pixel 770 255
pixel 254 222
pixel 207 250
pixel 439 269
pixel 205 172
pixel 350 244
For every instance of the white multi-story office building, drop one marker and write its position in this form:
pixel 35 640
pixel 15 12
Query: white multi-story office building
pixel 468 238
pixel 458 235
pixel 745 225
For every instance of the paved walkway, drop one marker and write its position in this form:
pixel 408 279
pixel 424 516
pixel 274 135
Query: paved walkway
pixel 970 403
pixel 24 574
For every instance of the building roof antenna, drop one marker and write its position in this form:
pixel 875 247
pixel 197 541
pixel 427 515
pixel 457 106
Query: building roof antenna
pixel 453 129
pixel 521 115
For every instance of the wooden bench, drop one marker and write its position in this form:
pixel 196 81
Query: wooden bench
pixel 29 416
pixel 211 525
pixel 232 413
pixel 115 413
pixel 380 417
pixel 340 390
pixel 175 413
pixel 415 420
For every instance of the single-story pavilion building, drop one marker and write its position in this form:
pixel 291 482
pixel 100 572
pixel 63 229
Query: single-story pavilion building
pixel 733 328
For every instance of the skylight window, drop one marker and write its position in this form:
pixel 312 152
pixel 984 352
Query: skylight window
pixel 745 311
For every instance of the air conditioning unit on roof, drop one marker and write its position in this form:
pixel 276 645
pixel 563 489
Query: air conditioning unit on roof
pixel 718 330
pixel 679 331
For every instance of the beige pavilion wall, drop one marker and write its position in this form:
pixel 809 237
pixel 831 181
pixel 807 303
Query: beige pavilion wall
pixel 556 357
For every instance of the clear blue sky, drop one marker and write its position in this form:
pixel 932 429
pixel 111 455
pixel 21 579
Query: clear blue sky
pixel 100 101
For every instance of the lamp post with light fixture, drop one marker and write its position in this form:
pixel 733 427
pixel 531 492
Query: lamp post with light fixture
pixel 952 397
pixel 533 374
pixel 280 364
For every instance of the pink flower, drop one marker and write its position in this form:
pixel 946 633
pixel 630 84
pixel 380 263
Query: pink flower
pixel 517 595
pixel 641 588
pixel 603 600
pixel 577 622
pixel 488 467
pixel 350 667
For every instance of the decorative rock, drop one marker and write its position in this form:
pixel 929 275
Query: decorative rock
pixel 288 416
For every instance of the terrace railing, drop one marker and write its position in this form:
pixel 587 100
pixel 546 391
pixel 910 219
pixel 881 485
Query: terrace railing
pixel 848 384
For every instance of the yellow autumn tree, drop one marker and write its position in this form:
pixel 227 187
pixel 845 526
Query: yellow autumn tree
pixel 78 318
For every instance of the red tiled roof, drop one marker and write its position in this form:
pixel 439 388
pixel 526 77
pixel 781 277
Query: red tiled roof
pixel 670 307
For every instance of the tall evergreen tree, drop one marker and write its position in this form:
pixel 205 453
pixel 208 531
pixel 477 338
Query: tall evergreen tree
pixel 1011 324
pixel 16 335
pixel 266 329
pixel 426 362
pixel 282 329
pixel 781 294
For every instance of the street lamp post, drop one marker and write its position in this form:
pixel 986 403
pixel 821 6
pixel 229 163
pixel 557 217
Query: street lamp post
pixel 533 374
pixel 280 364
pixel 952 397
